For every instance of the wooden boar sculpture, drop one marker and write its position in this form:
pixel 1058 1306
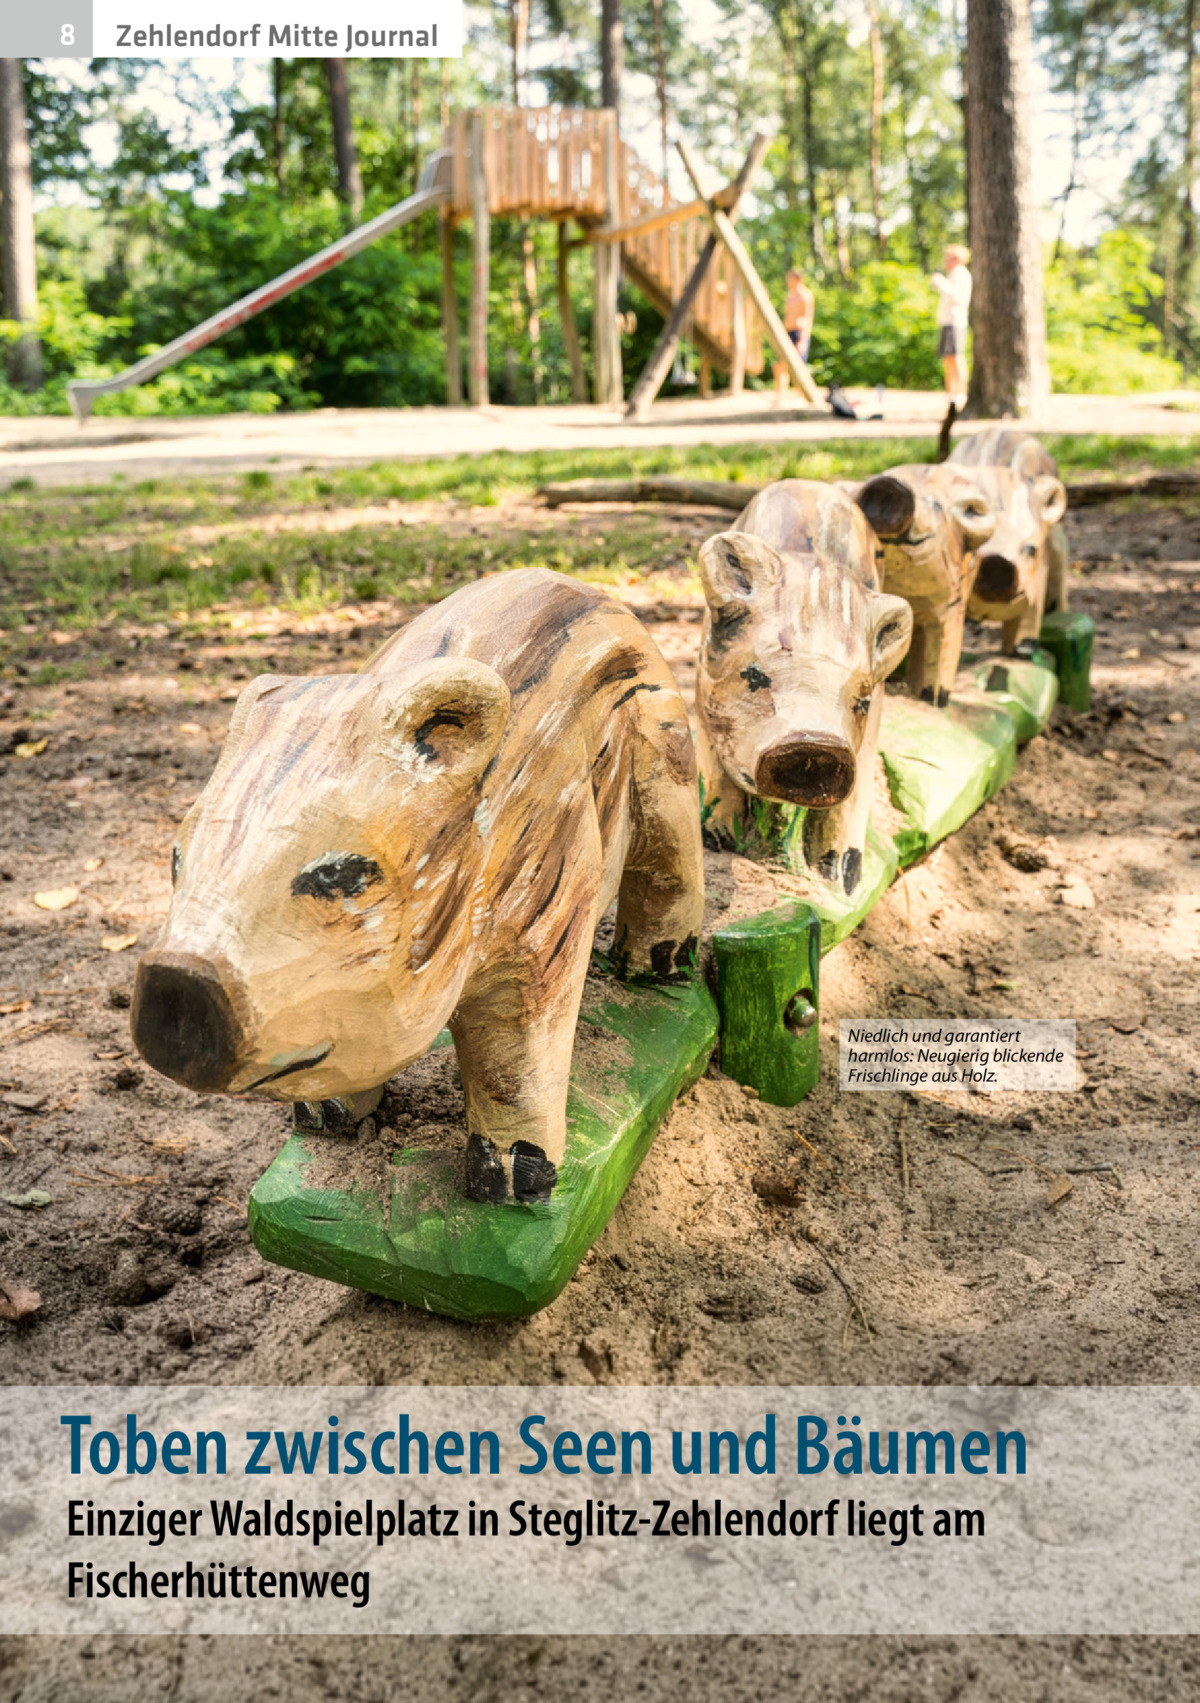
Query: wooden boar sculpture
pixel 798 639
pixel 1023 570
pixel 930 521
pixel 432 841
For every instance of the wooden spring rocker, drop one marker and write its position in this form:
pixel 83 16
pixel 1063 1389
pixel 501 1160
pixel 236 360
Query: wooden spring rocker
pixel 428 846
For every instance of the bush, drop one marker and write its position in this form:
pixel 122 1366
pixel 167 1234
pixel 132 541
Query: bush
pixel 881 329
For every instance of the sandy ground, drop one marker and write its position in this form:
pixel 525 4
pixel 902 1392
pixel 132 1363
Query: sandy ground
pixel 143 1262
pixel 56 451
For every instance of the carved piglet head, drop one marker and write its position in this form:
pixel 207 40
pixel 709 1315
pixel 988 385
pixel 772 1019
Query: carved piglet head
pixel 1011 566
pixel 928 520
pixel 797 641
pixel 325 885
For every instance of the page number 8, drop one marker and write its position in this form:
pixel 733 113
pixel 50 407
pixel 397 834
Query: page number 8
pixel 67 38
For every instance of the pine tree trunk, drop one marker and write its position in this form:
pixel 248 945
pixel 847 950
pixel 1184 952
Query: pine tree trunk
pixel 1185 270
pixel 349 179
pixel 1011 375
pixel 660 85
pixel 16 228
pixel 612 53
pixel 876 40
pixel 277 130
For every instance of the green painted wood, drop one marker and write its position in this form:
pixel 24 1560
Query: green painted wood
pixel 942 765
pixel 416 1238
pixel 1027 690
pixel 1070 638
pixel 768 991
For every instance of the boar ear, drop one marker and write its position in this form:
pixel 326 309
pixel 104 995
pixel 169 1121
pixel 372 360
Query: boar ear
pixel 975 518
pixel 891 634
pixel 1051 496
pixel 734 566
pixel 450 719
pixel 259 688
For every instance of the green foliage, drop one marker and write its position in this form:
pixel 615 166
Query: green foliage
pixel 1104 316
pixel 881 329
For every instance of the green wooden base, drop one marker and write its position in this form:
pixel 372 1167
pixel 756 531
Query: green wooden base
pixel 942 765
pixel 1070 638
pixel 1025 690
pixel 413 1236
pixel 767 989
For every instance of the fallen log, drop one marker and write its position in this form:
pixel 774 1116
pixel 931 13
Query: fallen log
pixel 1086 495
pixel 734 494
pixel 702 493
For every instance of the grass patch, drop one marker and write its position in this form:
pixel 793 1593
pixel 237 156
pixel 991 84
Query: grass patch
pixel 77 557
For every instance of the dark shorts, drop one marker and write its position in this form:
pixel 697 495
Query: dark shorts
pixel 801 341
pixel 950 341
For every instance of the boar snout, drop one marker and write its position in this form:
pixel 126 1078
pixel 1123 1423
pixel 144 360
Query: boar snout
pixel 183 1019
pixel 813 769
pixel 997 580
pixel 889 504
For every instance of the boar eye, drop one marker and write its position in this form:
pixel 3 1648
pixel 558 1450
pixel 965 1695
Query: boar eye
pixel 336 875
pixel 755 678
pixel 1029 549
pixel 861 706
pixel 176 865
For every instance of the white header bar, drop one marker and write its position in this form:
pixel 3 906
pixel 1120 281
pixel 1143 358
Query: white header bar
pixel 269 29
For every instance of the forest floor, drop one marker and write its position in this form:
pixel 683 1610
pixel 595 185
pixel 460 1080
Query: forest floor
pixel 122 1196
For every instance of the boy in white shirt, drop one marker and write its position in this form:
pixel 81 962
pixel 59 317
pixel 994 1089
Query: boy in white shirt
pixel 953 311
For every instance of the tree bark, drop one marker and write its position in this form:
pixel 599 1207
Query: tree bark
pixel 876 40
pixel 612 53
pixel 807 91
pixel 660 85
pixel 277 130
pixel 1011 375
pixel 1184 271
pixel 349 179
pixel 16 228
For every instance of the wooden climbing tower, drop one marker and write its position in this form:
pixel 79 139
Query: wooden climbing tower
pixel 571 166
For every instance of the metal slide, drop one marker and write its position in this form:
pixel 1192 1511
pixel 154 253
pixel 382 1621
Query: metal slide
pixel 433 190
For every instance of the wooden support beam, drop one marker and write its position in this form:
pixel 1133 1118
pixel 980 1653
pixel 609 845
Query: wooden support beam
pixel 658 366
pixel 566 319
pixel 606 339
pixel 756 289
pixel 737 372
pixel 481 236
pixel 454 393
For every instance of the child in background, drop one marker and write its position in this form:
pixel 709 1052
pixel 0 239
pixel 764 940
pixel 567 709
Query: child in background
pixel 799 311
pixel 953 312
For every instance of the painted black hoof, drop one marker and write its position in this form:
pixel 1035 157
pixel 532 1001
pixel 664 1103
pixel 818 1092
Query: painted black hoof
pixel 830 865
pixel 851 869
pixel 533 1176
pixel 1024 648
pixel 327 1117
pixel 943 698
pixel 486 1178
